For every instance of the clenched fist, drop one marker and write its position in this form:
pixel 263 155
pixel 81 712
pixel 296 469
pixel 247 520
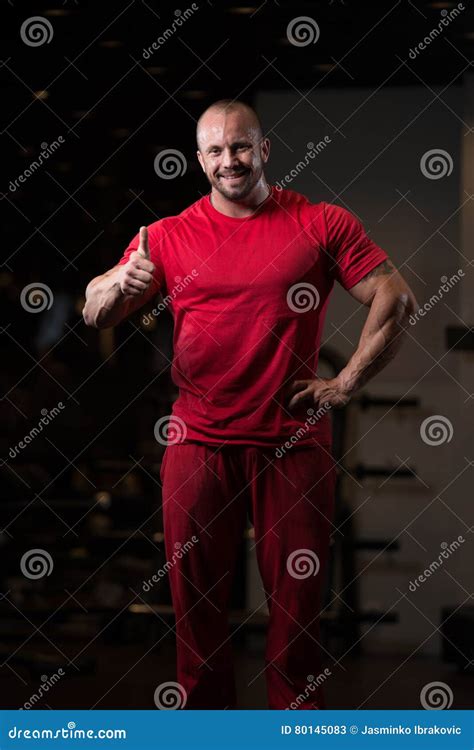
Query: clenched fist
pixel 137 275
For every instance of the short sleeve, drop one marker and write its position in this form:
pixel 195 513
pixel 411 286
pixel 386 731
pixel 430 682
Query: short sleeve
pixel 155 240
pixel 352 253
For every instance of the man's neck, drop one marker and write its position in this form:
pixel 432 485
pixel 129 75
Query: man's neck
pixel 246 207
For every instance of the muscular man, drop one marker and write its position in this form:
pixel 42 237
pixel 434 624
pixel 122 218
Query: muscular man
pixel 247 272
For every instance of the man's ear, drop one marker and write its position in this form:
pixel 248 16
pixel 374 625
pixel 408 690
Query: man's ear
pixel 201 161
pixel 265 149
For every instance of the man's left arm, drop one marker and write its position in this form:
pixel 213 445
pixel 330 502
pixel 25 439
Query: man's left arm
pixel 391 302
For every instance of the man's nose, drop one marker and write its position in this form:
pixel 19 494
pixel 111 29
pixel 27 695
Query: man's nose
pixel 228 158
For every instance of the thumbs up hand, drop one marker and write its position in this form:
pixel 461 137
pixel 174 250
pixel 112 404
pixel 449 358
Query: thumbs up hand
pixel 143 248
pixel 136 275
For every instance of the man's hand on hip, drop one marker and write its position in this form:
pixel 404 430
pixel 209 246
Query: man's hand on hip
pixel 317 392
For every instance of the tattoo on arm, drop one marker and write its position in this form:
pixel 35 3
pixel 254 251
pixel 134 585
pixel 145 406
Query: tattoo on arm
pixel 380 270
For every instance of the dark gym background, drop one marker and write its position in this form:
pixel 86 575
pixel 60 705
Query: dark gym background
pixel 80 630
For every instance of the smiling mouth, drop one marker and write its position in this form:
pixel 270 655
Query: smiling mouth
pixel 233 177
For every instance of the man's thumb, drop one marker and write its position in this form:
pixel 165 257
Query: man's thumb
pixel 143 248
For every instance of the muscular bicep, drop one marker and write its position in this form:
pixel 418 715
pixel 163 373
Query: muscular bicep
pixel 385 274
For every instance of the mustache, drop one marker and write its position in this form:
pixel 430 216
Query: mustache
pixel 233 173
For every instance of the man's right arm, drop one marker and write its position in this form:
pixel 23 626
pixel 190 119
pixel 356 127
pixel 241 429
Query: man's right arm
pixel 117 293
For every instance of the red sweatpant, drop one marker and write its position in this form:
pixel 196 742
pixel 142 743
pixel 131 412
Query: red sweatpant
pixel 207 493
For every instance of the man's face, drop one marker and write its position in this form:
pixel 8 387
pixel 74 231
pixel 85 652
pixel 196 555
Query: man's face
pixel 231 154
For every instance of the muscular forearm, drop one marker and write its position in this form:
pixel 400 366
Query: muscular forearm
pixel 381 339
pixel 106 305
pixel 125 288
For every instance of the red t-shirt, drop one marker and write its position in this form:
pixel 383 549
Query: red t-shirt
pixel 249 297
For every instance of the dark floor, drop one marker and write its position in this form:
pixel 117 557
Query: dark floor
pixel 126 677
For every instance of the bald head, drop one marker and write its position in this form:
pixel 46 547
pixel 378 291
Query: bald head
pixel 220 111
